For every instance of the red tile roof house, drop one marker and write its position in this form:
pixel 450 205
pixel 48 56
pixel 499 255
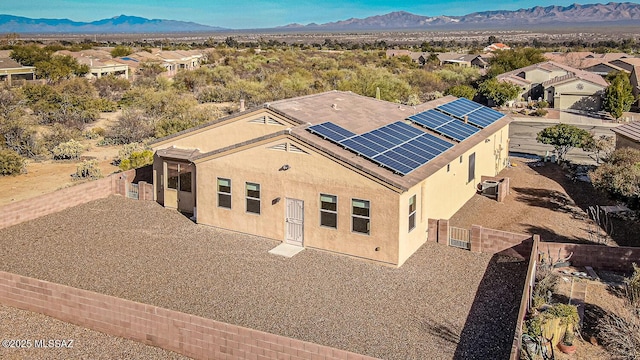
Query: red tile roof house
pixel 334 171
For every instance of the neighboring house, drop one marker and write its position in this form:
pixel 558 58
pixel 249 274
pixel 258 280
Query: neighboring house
pixel 600 67
pixel 627 64
pixel 464 60
pixel 416 56
pixel 99 62
pixel 496 46
pixel 627 135
pixel 172 61
pixel 562 86
pixel 334 171
pixel 11 70
pixel 601 64
pixel 175 61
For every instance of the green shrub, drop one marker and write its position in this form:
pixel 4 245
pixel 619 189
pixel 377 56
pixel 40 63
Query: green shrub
pixel 88 169
pixel 11 163
pixel 566 312
pixel 68 150
pixel 126 151
pixel 539 112
pixel 137 159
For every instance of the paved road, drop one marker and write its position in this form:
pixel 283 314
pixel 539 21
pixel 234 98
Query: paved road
pixel 523 137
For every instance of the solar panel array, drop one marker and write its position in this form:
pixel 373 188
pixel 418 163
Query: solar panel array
pixel 478 115
pixel 403 148
pixel 444 124
pixel 397 146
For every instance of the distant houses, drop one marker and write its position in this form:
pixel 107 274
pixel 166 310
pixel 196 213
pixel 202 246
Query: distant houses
pixel 10 70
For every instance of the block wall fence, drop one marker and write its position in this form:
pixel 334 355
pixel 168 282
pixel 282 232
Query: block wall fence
pixel 29 209
pixel 190 335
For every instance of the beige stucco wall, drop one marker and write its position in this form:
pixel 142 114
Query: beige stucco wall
pixel 308 176
pixel 568 96
pixel 442 194
pixel 226 133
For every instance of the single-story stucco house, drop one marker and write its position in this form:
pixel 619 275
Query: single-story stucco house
pixel 334 171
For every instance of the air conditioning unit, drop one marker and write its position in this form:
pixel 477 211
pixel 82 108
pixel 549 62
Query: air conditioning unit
pixel 490 188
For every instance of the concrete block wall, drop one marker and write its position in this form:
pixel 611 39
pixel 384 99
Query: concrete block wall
pixel 30 209
pixel 432 230
pixel 186 334
pixel 596 256
pixel 145 191
pixel 443 231
pixel 496 241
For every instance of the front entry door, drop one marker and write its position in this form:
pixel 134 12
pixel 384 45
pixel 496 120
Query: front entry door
pixel 295 222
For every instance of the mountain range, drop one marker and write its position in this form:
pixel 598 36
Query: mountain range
pixel 591 15
pixel 118 24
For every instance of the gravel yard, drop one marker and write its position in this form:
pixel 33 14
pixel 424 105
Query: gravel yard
pixel 442 303
pixel 18 324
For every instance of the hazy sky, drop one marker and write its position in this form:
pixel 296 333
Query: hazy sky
pixel 242 14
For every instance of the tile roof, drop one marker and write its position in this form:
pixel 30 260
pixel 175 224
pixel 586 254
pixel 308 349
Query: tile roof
pixel 551 66
pixel 8 63
pixel 631 131
pixel 178 153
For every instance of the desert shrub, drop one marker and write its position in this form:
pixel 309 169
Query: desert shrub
pixel 11 163
pixel 542 104
pixel 88 169
pixel 132 126
pixel 20 135
pixel 94 133
pixel 620 335
pixel 137 159
pixel 539 112
pixel 566 312
pixel 127 150
pixel 68 150
pixel 58 134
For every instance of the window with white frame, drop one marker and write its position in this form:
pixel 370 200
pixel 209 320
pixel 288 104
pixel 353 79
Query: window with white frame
pixel 253 198
pixel 360 216
pixel 412 212
pixel 329 211
pixel 224 193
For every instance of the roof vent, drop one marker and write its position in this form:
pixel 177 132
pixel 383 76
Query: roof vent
pixel 466 119
pixel 334 106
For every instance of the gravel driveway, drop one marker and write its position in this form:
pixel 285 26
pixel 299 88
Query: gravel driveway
pixel 442 303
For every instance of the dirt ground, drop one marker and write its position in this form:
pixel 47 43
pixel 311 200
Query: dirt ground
pixel 544 200
pixel 602 297
pixel 43 177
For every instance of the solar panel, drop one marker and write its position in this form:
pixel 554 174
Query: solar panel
pixel 460 107
pixel 386 142
pixel 457 130
pixel 398 146
pixel 484 117
pixel 340 130
pixel 331 131
pixel 367 149
pixel 394 165
pixel 431 119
